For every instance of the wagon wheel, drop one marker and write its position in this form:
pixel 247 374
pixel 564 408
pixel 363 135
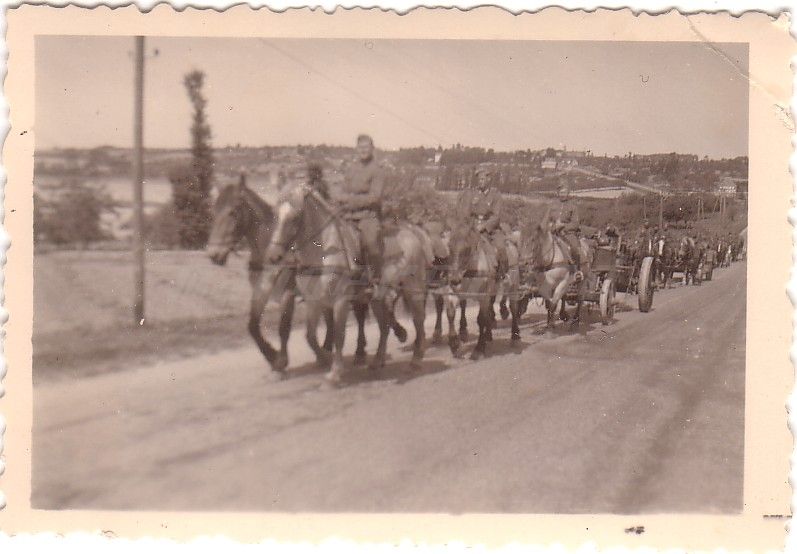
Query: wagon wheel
pixel 607 301
pixel 645 285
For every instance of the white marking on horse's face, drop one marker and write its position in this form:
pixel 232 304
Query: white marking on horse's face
pixel 284 215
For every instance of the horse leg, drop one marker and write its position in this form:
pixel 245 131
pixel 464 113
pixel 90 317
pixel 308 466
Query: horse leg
pixel 398 328
pixel 563 315
pixel 483 320
pixel 502 307
pixel 550 323
pixel 438 322
pixel 360 310
pixel 523 305
pixel 514 309
pixel 260 296
pixel 576 315
pixel 329 321
pixel 463 321
pixel 454 341
pixel 416 302
pixel 313 315
pixel 383 317
pixel 492 320
pixel 340 314
pixel 286 320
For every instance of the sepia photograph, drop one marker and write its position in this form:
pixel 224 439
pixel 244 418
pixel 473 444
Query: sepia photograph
pixel 403 272
pixel 385 259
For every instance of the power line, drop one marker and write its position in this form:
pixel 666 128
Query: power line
pixel 352 91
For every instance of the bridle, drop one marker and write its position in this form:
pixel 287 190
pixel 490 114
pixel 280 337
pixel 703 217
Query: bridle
pixel 332 216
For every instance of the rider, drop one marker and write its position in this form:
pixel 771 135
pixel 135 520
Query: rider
pixel 360 197
pixel 566 222
pixel 483 206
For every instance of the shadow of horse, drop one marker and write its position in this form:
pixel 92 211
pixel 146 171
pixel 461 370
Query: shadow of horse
pixel 398 371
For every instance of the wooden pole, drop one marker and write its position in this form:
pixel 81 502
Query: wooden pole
pixel 661 211
pixel 138 183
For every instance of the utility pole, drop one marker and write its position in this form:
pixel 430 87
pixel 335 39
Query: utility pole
pixel 661 211
pixel 138 183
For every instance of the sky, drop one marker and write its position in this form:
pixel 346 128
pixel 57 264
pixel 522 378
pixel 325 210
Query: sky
pixel 609 97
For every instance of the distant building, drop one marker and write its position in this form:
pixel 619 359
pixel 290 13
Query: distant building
pixel 731 186
pixel 549 165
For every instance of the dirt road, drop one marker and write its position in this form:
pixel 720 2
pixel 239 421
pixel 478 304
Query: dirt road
pixel 645 415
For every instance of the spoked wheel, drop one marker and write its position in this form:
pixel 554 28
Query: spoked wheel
pixel 607 301
pixel 645 285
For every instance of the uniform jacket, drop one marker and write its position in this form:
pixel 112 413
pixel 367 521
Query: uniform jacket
pixel 360 194
pixel 565 215
pixel 483 206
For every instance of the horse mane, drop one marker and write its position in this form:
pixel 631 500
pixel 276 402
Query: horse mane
pixel 262 208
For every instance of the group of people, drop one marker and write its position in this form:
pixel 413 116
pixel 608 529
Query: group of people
pixel 360 198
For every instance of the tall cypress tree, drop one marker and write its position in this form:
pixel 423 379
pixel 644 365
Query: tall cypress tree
pixel 191 186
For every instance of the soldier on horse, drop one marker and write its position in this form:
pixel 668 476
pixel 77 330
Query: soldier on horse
pixel 360 197
pixel 483 208
pixel 567 225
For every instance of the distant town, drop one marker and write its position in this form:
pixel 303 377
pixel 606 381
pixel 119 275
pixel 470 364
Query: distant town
pixel 518 172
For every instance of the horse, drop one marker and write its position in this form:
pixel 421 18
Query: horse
pixel 689 257
pixel 473 273
pixel 511 301
pixel 240 214
pixel 329 277
pixel 551 263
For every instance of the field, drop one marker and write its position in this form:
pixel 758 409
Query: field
pixel 83 314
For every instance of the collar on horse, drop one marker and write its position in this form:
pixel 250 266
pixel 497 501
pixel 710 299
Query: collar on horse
pixel 552 264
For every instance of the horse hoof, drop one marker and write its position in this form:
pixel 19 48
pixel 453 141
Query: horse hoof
pixel 463 335
pixel 453 344
pixel 275 376
pixel 332 378
pixel 437 338
pixel 323 360
pixel 415 365
pixel 476 355
pixel 360 358
pixel 515 336
pixel 504 312
pixel 401 334
pixel 279 364
pixel 376 365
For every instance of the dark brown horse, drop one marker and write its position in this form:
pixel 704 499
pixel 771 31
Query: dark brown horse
pixel 241 215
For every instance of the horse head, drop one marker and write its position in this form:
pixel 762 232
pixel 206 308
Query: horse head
pixel 231 222
pixel 685 249
pixel 294 213
pixel 540 241
pixel 462 246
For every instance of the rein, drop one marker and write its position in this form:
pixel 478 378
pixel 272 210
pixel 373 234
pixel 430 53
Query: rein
pixel 552 264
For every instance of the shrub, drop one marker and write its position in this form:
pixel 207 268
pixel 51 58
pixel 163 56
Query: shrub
pixel 73 216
